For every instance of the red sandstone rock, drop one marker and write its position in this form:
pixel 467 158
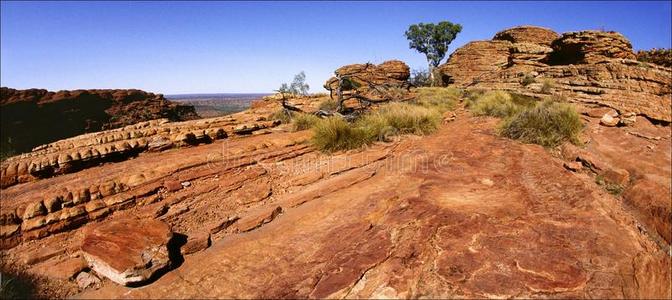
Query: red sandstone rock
pixel 392 73
pixel 84 110
pixel 195 243
pixel 61 270
pixel 127 251
pixel 527 34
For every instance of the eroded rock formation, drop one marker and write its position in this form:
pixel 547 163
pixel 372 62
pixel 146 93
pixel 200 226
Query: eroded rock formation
pixel 36 116
pixel 373 82
pixel 586 66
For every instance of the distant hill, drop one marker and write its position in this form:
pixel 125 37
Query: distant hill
pixel 36 116
pixel 215 105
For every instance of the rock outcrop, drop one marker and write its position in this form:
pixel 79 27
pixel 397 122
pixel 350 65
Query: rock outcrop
pixel 585 67
pixel 264 215
pixel 527 34
pixel 589 47
pixel 370 80
pixel 127 251
pixel 661 57
pixel 36 116
pixel 473 60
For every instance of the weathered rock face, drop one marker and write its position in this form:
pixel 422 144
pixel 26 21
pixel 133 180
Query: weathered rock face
pixel 661 57
pixel 523 46
pixel 474 59
pixel 586 66
pixel 392 73
pixel 527 34
pixel 587 47
pixel 624 85
pixel 35 116
pixel 127 251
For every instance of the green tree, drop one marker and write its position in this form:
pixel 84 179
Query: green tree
pixel 432 40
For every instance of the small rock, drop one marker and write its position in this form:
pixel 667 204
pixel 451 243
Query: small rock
pixel 34 209
pixel 608 120
pixel 573 166
pixel 86 279
pixel 195 243
pixel 159 143
pixel 600 112
pixel 186 184
pixel 135 180
pixel 172 185
pixel 628 120
pixel 487 181
pixel 617 176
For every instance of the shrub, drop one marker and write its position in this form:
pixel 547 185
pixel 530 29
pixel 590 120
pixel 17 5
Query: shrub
pixel 527 80
pixel 547 124
pixel 441 99
pixel 495 104
pixel 407 118
pixel 284 116
pixel 328 105
pixel 420 78
pixel 334 133
pixel 303 121
pixel 547 86
pixel 472 95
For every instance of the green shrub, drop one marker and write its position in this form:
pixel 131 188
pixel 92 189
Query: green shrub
pixel 441 99
pixel 328 105
pixel 334 133
pixel 527 80
pixel 547 124
pixel 303 121
pixel 472 95
pixel 495 104
pixel 547 86
pixel 284 116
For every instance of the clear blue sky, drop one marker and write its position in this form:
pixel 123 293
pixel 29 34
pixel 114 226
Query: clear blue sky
pixel 191 47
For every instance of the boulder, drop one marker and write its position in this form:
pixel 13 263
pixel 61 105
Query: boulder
pixel 127 251
pixel 472 60
pixel 86 279
pixel 590 46
pixel 389 74
pixel 608 120
pixel 527 34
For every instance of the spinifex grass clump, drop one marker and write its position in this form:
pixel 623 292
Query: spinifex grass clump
pixel 283 115
pixel 441 99
pixel 548 124
pixel 328 105
pixel 303 121
pixel 334 133
pixel 495 104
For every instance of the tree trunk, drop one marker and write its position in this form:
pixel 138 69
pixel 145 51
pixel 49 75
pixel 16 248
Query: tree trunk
pixel 432 80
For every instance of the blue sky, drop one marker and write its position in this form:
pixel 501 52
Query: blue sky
pixel 192 47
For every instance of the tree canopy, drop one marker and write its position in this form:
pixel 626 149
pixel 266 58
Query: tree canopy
pixel 432 39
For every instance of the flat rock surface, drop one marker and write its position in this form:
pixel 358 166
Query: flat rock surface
pixel 127 250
